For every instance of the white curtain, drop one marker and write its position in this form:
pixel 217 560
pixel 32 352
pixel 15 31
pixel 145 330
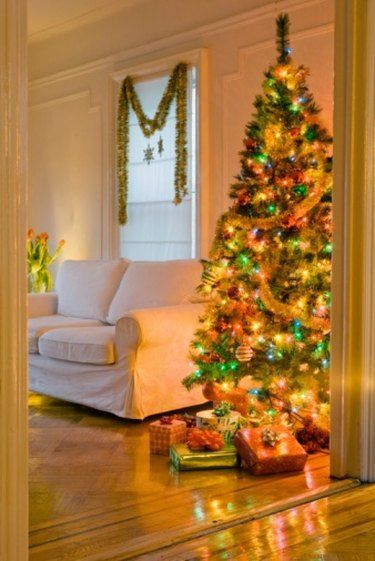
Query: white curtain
pixel 157 229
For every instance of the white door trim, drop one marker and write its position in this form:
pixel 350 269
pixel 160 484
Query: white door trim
pixel 353 287
pixel 13 342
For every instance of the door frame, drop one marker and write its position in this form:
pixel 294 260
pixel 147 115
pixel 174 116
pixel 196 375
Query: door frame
pixel 353 287
pixel 13 340
pixel 353 323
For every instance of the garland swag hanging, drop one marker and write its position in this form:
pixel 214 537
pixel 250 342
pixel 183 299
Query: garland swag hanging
pixel 176 88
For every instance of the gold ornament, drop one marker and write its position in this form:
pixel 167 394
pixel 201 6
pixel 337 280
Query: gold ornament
pixel 244 353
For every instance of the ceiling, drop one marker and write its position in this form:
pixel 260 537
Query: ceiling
pixel 49 17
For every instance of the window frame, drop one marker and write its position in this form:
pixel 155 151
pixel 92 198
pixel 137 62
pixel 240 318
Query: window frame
pixel 146 71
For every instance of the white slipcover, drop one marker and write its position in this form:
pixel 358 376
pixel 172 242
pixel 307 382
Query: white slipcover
pixel 86 288
pixel 90 345
pixel 150 345
pixel 151 361
pixel 152 284
pixel 40 325
pixel 41 304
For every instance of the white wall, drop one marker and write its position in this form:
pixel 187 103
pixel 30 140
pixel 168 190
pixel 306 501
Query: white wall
pixel 72 114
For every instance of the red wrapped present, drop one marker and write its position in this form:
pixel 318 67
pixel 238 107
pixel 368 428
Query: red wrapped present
pixel 271 449
pixel 165 432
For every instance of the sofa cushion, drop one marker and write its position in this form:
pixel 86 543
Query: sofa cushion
pixel 86 288
pixel 151 284
pixel 39 325
pixel 90 345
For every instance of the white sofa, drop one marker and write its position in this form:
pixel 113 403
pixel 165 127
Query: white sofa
pixel 115 336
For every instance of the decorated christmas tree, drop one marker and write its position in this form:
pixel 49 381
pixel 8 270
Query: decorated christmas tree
pixel 268 276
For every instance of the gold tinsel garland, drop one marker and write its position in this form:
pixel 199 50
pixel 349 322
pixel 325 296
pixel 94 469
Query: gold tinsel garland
pixel 176 88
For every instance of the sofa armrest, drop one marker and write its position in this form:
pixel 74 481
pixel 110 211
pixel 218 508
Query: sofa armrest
pixel 158 326
pixel 42 304
pixel 154 344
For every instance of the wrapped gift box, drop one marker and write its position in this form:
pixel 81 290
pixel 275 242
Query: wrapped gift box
pixel 163 435
pixel 226 425
pixel 182 458
pixel 263 458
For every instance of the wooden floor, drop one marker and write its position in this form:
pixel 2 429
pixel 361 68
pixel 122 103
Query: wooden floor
pixel 97 495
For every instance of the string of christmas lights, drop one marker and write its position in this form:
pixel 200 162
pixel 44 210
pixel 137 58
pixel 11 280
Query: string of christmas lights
pixel 268 276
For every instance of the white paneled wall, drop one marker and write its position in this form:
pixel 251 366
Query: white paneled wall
pixel 72 123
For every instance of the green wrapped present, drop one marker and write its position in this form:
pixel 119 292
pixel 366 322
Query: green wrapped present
pixel 182 458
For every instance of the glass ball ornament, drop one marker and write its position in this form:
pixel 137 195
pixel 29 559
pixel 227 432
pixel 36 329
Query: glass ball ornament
pixel 244 353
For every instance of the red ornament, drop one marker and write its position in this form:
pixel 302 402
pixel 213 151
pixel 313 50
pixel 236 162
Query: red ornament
pixel 221 326
pixel 233 292
pixel 295 131
pixel 249 143
pixel 289 222
pixel 243 200
pixel 298 177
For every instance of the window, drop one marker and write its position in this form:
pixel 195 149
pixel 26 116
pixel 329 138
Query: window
pixel 157 229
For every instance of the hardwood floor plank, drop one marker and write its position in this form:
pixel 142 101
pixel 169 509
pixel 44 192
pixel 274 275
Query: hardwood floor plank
pixel 327 529
pixel 96 491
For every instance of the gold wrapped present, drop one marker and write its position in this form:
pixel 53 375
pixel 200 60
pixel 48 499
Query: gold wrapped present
pixel 182 458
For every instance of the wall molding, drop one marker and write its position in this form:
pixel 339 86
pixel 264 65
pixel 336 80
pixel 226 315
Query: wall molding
pixel 60 100
pixel 84 19
pixel 227 24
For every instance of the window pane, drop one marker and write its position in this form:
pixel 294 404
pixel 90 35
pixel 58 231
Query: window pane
pixel 159 222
